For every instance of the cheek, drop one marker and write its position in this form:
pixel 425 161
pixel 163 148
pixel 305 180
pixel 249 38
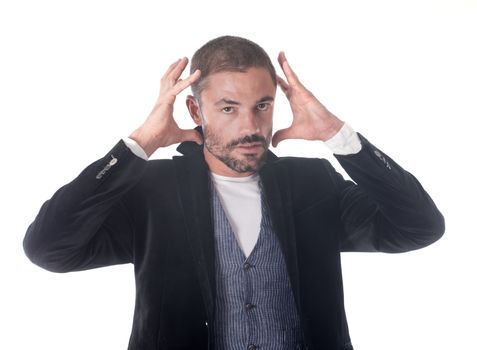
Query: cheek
pixel 215 135
pixel 266 124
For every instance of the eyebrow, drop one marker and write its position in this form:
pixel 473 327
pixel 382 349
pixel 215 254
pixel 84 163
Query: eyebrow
pixel 232 102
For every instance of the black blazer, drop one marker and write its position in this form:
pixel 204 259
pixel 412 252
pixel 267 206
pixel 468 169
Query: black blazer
pixel 156 214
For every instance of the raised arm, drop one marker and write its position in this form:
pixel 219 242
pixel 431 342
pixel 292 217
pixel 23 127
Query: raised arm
pixel 385 209
pixel 86 223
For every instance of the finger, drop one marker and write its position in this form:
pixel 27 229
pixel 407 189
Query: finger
pixel 191 135
pixel 183 84
pixel 178 69
pixel 283 134
pixel 283 85
pixel 289 73
pixel 171 67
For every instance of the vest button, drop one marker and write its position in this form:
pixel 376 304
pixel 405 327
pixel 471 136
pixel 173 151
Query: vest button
pixel 251 347
pixel 247 266
pixel 248 306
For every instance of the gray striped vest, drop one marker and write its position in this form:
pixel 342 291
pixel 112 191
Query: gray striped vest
pixel 255 307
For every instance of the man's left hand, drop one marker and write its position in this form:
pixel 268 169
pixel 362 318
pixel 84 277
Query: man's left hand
pixel 311 120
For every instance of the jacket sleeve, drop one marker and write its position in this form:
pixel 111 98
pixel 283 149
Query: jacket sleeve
pixel 85 224
pixel 385 209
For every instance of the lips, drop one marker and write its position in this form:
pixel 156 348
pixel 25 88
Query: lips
pixel 250 147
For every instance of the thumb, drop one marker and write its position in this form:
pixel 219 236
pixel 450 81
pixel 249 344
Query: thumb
pixel 281 135
pixel 192 135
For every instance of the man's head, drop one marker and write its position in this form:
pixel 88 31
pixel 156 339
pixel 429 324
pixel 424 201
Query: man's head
pixel 233 102
pixel 228 54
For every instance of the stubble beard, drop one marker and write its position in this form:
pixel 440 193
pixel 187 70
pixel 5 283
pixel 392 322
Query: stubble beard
pixel 224 152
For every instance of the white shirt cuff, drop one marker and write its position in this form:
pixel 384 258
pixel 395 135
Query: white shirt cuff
pixel 135 148
pixel 345 142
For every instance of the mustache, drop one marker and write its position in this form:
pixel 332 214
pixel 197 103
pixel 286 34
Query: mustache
pixel 248 139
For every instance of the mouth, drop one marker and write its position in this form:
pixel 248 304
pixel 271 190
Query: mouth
pixel 250 147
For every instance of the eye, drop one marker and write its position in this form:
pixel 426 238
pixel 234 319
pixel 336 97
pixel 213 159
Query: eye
pixel 263 106
pixel 227 110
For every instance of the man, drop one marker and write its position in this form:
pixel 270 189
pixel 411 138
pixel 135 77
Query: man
pixel 233 247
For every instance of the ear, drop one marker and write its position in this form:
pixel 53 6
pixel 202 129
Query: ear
pixel 194 111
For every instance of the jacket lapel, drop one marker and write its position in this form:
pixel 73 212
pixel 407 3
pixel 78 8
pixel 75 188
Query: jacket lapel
pixel 194 194
pixel 276 187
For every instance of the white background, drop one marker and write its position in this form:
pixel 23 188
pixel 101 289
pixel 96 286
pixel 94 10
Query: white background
pixel 76 76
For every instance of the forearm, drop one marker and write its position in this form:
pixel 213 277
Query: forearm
pixel 398 213
pixel 135 147
pixel 145 143
pixel 345 141
pixel 83 225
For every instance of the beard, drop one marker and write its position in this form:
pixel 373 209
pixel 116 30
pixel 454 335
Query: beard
pixel 242 163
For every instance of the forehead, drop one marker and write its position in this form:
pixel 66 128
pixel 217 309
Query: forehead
pixel 252 84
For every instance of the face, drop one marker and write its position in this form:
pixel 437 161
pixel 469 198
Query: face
pixel 236 113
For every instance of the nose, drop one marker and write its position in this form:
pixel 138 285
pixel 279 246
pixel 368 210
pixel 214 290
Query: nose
pixel 249 123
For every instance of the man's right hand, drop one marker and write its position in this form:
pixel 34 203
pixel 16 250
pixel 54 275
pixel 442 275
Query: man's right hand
pixel 160 129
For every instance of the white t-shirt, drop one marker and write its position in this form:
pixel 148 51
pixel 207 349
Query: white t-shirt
pixel 240 199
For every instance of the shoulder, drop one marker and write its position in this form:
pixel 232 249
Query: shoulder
pixel 305 177
pixel 159 168
pixel 178 166
pixel 303 168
